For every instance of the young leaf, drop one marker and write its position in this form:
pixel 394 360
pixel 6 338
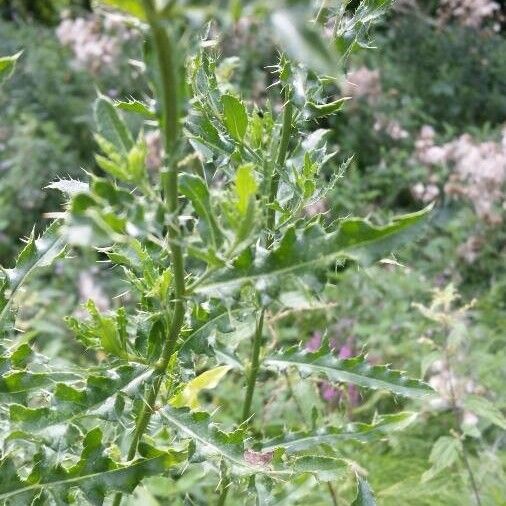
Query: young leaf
pixel 485 409
pixel 445 452
pixel 7 64
pixel 245 187
pixel 353 370
pixel 111 126
pixel 235 115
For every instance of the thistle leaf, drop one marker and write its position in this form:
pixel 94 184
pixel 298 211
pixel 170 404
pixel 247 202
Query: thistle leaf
pixel 36 254
pixel 299 441
pixel 353 370
pixel 198 427
pixel 70 401
pixel 96 474
pixel 355 239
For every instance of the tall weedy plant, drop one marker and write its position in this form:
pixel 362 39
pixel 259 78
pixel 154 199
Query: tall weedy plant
pixel 213 251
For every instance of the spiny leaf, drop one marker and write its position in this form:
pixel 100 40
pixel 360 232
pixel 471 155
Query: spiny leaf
pixel 383 425
pixel 36 254
pixel 96 474
pixel 7 64
pixel 71 402
pixel 69 186
pixel 198 427
pixel 353 370
pixel 110 125
pixel 355 239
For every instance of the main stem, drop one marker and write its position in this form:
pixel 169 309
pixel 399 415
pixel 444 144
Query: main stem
pixel 169 181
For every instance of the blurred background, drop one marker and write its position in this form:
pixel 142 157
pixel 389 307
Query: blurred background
pixel 427 122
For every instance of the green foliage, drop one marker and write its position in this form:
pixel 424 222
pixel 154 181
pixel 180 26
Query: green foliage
pixel 222 264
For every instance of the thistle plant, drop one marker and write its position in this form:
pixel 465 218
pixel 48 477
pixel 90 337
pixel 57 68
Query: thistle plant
pixel 209 249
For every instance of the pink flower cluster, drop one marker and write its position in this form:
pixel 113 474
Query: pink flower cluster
pixel 96 42
pixel 478 171
pixel 472 13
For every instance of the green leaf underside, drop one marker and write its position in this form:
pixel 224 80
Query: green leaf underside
pixel 353 370
pixel 96 474
pixel 365 496
pixel 355 239
pixel 37 253
pixel 363 432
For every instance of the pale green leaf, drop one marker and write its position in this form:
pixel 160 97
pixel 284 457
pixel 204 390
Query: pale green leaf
pixel 235 115
pixel 444 454
pixel 37 253
pixel 7 64
pixel 206 381
pixel 245 187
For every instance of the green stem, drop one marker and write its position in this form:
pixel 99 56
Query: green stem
pixel 254 367
pixel 286 129
pixel 169 180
